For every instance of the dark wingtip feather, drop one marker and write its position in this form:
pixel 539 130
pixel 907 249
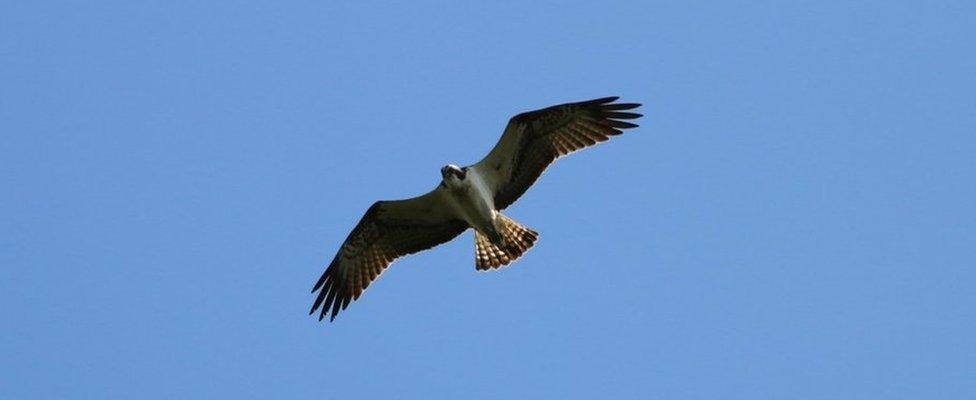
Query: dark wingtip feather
pixel 325 307
pixel 620 106
pixel 612 113
pixel 621 124
pixel 335 308
pixel 622 115
pixel 320 281
pixel 602 100
pixel 315 306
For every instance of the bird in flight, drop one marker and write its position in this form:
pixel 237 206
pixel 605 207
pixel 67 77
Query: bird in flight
pixel 469 197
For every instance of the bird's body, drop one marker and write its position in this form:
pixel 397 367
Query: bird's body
pixel 470 200
pixel 469 197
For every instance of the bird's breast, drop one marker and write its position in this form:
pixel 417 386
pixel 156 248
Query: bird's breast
pixel 474 203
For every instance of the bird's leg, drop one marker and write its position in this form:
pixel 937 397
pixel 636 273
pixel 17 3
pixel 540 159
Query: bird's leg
pixel 496 238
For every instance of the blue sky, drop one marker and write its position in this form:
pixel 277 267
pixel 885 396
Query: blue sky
pixel 794 219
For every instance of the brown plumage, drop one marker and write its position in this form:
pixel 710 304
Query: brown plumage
pixel 533 140
pixel 392 229
pixel 388 231
pixel 516 240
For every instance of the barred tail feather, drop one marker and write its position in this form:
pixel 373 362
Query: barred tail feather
pixel 516 240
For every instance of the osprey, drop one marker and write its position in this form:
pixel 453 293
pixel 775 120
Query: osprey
pixel 469 197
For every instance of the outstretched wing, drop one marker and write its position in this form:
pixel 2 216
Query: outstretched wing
pixel 535 139
pixel 389 230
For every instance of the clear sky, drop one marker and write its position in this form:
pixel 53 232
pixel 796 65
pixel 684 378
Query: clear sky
pixel 794 219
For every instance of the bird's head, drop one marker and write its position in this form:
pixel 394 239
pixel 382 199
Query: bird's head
pixel 452 174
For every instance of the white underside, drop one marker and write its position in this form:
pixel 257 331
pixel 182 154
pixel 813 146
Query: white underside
pixel 472 201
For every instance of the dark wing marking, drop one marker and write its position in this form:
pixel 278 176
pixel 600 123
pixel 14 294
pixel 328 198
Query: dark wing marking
pixel 389 230
pixel 535 139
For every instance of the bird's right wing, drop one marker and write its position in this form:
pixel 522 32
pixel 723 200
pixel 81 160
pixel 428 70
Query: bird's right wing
pixel 389 230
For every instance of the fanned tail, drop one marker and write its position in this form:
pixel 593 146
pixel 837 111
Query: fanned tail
pixel 515 241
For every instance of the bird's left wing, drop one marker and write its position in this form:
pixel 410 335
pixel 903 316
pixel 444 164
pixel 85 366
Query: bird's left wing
pixel 533 140
pixel 389 230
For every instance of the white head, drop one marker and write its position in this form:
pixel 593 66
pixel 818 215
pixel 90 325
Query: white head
pixel 452 175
